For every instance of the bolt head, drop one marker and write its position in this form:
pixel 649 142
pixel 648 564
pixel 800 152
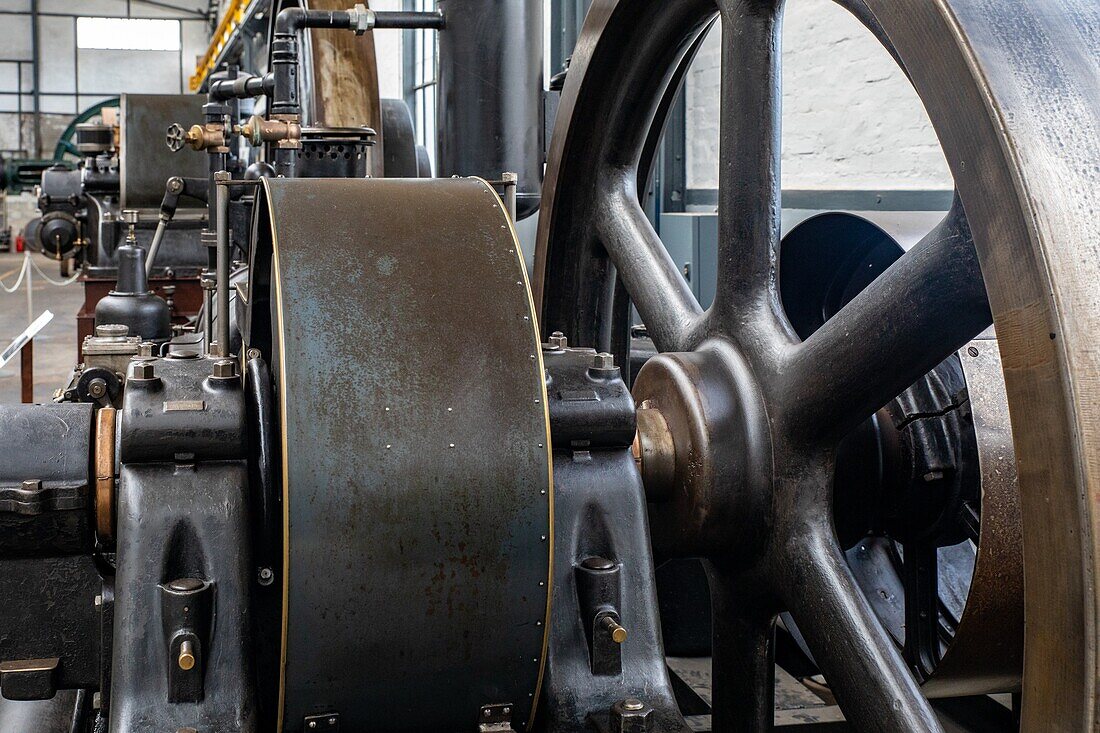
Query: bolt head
pixel 596 562
pixel 603 361
pixel 97 388
pixel 631 716
pixel 558 340
pixel 144 370
pixel 185 585
pixel 225 369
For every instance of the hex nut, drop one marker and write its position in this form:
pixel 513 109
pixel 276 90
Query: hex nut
pixel 631 716
pixel 558 340
pixel 144 370
pixel 603 360
pixel 362 19
pixel 225 369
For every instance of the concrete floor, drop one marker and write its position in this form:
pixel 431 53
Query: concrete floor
pixel 55 345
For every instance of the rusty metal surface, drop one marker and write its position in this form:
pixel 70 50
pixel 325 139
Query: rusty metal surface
pixel 415 458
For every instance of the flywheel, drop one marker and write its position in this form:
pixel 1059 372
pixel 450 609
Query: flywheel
pixel 415 472
pixel 741 416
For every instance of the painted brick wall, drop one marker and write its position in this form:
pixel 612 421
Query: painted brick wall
pixel 850 118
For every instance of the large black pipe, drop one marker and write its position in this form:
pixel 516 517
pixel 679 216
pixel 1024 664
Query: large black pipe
pixel 490 93
pixel 243 87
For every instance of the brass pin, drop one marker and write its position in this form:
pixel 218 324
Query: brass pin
pixel 187 656
pixel 617 632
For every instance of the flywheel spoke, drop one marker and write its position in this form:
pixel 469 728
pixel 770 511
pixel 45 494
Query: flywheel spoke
pixel 743 674
pixel 925 306
pixel 662 296
pixel 922 608
pixel 749 165
pixel 857 656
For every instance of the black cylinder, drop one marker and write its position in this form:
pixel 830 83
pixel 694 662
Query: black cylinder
pixel 131 303
pixel 490 93
pixel 334 152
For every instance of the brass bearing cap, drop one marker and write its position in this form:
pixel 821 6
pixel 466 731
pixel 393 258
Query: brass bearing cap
pixel 104 461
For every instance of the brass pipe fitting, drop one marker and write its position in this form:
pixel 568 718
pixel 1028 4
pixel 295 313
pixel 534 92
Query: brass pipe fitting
pixel 210 136
pixel 283 129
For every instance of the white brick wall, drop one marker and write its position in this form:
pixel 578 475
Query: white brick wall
pixel 850 118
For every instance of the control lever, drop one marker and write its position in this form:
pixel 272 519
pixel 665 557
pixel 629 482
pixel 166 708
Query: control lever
pixel 174 188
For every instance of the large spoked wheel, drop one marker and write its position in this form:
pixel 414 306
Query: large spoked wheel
pixel 754 414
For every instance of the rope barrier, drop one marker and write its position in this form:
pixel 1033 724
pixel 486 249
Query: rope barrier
pixel 47 278
pixel 28 263
pixel 18 281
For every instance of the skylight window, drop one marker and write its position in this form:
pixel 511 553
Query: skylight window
pixel 128 34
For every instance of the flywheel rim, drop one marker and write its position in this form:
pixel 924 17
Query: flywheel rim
pixel 983 94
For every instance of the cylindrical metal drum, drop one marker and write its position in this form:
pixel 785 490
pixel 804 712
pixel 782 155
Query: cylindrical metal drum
pixel 415 453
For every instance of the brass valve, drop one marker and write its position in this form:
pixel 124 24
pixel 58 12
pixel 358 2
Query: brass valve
pixel 198 137
pixel 283 130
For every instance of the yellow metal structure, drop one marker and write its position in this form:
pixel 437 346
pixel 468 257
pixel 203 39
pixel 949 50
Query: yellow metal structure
pixel 230 21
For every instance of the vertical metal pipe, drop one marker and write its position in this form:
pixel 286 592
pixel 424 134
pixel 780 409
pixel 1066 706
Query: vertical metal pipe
pixel 221 180
pixel 36 62
pixel 208 286
pixel 217 162
pixel 510 180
